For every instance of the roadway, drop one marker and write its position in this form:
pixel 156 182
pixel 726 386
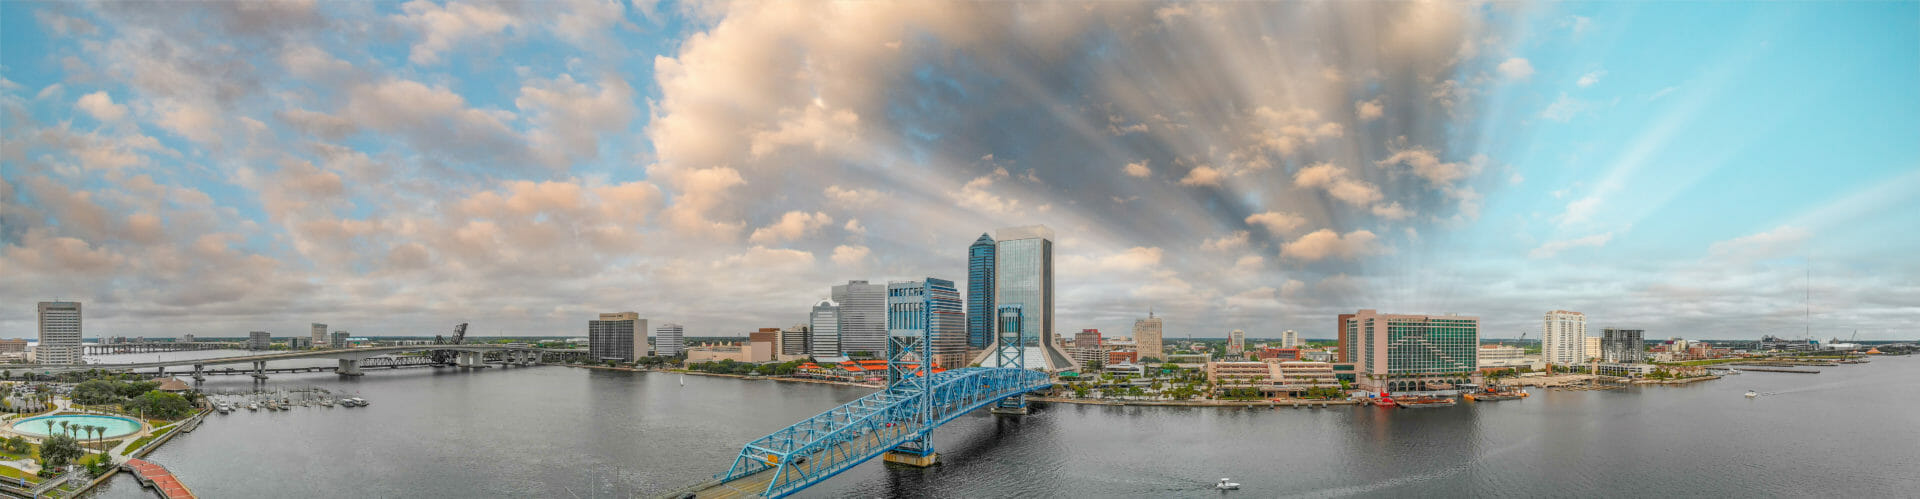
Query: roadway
pixel 339 353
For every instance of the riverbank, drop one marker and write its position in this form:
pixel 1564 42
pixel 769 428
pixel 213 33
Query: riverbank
pixel 734 376
pixel 1680 381
pixel 1198 403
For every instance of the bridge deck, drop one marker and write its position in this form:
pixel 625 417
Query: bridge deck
pixel 755 485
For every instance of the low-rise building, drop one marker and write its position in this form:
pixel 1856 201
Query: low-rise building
pixel 1122 357
pixel 1501 357
pixel 1226 375
pixel 1300 376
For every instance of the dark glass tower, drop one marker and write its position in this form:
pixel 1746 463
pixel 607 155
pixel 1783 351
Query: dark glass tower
pixel 980 311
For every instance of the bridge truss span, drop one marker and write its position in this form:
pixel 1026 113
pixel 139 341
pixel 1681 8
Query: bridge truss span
pixel 813 450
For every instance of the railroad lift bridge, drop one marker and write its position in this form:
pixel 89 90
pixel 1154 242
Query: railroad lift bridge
pixel 895 423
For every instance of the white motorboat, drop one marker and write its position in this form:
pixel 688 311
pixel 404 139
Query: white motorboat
pixel 1226 485
pixel 1752 394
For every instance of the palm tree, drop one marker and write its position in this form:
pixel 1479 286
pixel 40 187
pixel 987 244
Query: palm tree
pixel 65 428
pixel 49 427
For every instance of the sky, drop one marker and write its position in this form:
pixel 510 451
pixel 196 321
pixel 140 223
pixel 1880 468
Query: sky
pixel 1707 170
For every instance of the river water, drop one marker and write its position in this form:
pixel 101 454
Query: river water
pixel 553 431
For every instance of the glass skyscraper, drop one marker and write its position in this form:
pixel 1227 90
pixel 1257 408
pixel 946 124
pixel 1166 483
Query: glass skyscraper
pixel 863 318
pixel 929 305
pixel 825 323
pixel 1023 275
pixel 980 292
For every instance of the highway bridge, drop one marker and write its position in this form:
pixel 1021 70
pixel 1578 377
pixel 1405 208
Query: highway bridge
pixel 895 423
pixel 350 359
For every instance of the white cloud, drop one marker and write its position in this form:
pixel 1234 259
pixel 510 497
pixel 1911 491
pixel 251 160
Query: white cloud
pixel 101 107
pixel 792 225
pixel 1228 243
pixel 846 255
pixel 1392 211
pixel 1325 243
pixel 442 28
pixel 1202 175
pixel 1780 241
pixel 1565 108
pixel 1516 69
pixel 1277 222
pixel 1589 79
pixel 853 226
pixel 852 197
pixel 1552 248
pixel 1426 164
pixel 1579 211
pixel 1137 169
pixel 1337 184
pixel 1369 110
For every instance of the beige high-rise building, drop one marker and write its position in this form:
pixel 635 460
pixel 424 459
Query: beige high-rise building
pixel 1563 338
pixel 59 333
pixel 319 335
pixel 1146 337
pixel 1592 350
pixel 1290 339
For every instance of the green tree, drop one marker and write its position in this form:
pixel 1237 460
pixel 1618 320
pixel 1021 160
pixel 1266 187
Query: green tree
pixel 59 450
pixel 161 405
pixel 95 392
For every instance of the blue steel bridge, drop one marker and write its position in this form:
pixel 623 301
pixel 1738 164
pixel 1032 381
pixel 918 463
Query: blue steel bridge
pixel 896 422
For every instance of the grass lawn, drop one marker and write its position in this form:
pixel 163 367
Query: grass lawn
pixel 143 440
pixel 14 475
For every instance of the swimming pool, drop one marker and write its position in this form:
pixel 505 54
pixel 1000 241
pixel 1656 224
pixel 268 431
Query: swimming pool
pixel 115 425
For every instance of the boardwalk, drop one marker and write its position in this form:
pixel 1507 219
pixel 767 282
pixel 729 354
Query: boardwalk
pixel 156 476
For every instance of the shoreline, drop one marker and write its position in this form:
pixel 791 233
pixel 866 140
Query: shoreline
pixel 1298 403
pixel 734 376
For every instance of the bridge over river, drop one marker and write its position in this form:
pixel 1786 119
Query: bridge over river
pixel 349 359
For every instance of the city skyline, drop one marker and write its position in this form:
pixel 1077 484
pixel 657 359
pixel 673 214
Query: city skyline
pixel 213 170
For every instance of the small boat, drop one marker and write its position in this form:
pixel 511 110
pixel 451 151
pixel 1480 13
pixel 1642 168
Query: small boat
pixel 326 402
pixel 1226 485
pixel 1384 400
pixel 683 380
pixel 1752 394
pixel 253 407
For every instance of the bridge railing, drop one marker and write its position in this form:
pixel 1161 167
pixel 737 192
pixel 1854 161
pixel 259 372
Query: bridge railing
pixel 825 445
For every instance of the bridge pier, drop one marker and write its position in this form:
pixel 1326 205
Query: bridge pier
pixel 916 460
pixel 260 369
pixel 349 367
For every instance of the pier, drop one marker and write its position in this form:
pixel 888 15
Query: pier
pixel 1758 369
pixel 156 476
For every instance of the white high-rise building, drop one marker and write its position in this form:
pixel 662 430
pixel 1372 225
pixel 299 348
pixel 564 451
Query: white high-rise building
pixel 59 333
pixel 1290 339
pixel 319 335
pixel 1563 338
pixel 825 322
pixel 668 340
pixel 1236 342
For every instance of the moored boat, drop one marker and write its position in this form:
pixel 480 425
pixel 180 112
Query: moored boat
pixel 1424 402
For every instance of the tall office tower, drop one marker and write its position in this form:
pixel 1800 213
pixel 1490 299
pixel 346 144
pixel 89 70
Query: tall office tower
pixel 1623 346
pixel 339 339
pixel 319 335
pixel 931 305
pixel 980 309
pixel 669 340
pixel 825 322
pixel 1563 338
pixel 1023 275
pixel 1146 337
pixel 1290 339
pixel 1236 342
pixel 863 318
pixel 59 333
pixel 1343 342
pixel 1413 352
pixel 618 336
pixel 793 340
pixel 259 340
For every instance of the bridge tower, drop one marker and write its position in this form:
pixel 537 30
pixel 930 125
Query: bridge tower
pixel 1010 352
pixel 914 310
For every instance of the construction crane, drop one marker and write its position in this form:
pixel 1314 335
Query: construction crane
pixel 446 356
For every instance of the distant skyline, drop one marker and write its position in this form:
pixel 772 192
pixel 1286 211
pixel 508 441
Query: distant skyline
pixel 388 168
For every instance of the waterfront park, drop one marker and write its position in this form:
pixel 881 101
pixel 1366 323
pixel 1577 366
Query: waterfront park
pixel 61 435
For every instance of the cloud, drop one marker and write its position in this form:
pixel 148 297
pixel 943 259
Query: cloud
pixel 1565 108
pixel 793 225
pixel 1392 211
pixel 1516 69
pixel 1777 242
pixel 101 107
pixel 1228 243
pixel 1335 181
pixel 570 117
pixel 1552 248
pixel 1426 164
pixel 1202 175
pixel 1369 110
pixel 850 255
pixel 853 198
pixel 1589 79
pixel 1277 222
pixel 443 27
pixel 1325 243
pixel 1138 169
